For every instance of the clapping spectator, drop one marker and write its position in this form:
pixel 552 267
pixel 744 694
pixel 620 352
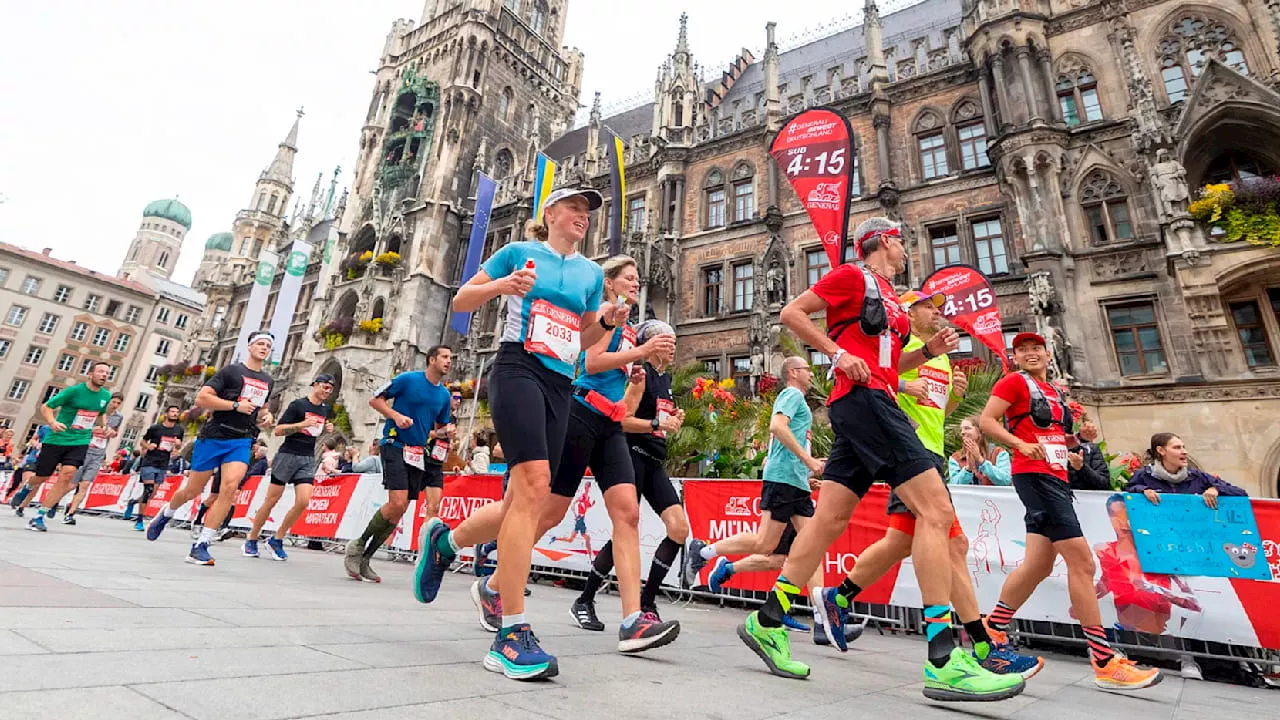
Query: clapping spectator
pixel 259 466
pixel 330 460
pixel 977 462
pixel 1170 471
pixel 1087 468
pixel 479 464
pixel 371 464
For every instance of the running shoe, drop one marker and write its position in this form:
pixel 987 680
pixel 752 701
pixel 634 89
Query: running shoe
pixel 488 604
pixel 351 558
pixel 584 613
pixel 128 513
pixel 51 512
pixel 650 609
pixel 68 519
pixel 793 624
pixel 140 527
pixel 251 548
pixel 517 655
pixel 693 562
pixel 720 574
pixel 18 497
pixel 962 679
pixel 1124 674
pixel 277 549
pixel 199 554
pixel 833 616
pixel 366 571
pixel 429 571
pixel 773 646
pixel 157 525
pixel 223 534
pixel 646 633
pixel 195 530
pixel 37 523
pixel 851 633
pixel 1004 660
pixel 19 512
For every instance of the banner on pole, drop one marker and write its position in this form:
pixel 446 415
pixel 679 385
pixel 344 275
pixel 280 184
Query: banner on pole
pixel 295 266
pixel 257 306
pixel 543 180
pixel 617 196
pixel 971 305
pixel 485 189
pixel 814 150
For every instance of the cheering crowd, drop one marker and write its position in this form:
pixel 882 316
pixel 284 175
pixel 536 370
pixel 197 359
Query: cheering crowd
pixel 576 387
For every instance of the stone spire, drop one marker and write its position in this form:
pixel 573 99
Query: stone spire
pixel 281 168
pixel 682 42
pixel 315 197
pixel 873 35
pixel 593 137
pixel 772 99
pixel 333 187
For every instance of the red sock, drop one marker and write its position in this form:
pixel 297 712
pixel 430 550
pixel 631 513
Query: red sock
pixel 1099 648
pixel 1001 617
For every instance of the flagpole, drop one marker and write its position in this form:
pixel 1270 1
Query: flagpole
pixel 475 401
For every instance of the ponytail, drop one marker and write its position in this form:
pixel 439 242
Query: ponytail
pixel 1158 440
pixel 535 230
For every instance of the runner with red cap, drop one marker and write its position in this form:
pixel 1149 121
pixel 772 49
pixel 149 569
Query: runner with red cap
pixel 1027 414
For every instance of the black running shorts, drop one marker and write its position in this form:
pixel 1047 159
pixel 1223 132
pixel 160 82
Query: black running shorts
pixel 1049 504
pixel 897 507
pixel 652 482
pixel 530 407
pixel 592 440
pixel 399 475
pixel 874 441
pixel 51 456
pixel 784 501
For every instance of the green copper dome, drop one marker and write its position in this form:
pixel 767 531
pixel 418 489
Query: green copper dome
pixel 220 241
pixel 169 210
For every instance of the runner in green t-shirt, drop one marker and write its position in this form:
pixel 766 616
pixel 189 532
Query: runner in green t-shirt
pixel 71 414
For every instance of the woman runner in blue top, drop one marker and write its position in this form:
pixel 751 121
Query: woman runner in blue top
pixel 552 295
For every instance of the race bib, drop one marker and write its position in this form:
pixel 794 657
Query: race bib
pixel 627 343
pixel 254 392
pixel 666 409
pixel 413 456
pixel 84 420
pixel 938 385
pixel 98 442
pixel 315 430
pixel 168 443
pixel 553 332
pixel 1055 448
pixel 440 450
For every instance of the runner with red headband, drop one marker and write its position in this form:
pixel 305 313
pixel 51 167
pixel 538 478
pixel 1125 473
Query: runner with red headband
pixel 874 441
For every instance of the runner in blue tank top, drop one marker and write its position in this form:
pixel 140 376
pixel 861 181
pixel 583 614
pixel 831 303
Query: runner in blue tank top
pixel 552 294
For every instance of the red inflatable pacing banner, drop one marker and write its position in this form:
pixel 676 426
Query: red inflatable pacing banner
pixel 971 305
pixel 814 151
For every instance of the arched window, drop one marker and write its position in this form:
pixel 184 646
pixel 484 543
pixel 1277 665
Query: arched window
pixel 504 104
pixel 245 245
pixel 262 201
pixel 164 260
pixel 715 199
pixel 1105 208
pixel 379 308
pixel 502 164
pixel 931 144
pixel 275 200
pixel 1078 97
pixel 971 135
pixel 744 193
pixel 1237 166
pixel 538 16
pixel 393 244
pixel 1191 41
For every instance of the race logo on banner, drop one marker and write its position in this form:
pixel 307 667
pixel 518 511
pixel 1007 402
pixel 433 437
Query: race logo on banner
pixel 105 491
pixel 163 494
pixel 971 305
pixel 814 151
pixel 329 500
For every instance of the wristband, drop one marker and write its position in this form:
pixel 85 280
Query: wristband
pixel 928 354
pixel 606 325
pixel 835 359
pixel 902 385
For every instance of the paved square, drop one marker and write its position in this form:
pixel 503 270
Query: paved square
pixel 95 622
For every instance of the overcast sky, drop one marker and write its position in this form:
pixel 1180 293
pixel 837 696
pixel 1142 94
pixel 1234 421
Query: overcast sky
pixel 110 105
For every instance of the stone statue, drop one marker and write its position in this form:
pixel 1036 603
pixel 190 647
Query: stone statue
pixel 1170 180
pixel 1040 293
pixel 775 284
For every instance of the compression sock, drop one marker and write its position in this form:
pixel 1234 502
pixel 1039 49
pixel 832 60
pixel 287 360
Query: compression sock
pixel 978 636
pixel 937 630
pixel 199 513
pixel 381 532
pixel 663 557
pixel 600 568
pixel 779 602
pixel 1099 647
pixel 1001 617
pixel 847 591
pixel 446 546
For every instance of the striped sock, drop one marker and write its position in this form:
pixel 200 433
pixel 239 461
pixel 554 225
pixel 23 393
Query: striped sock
pixel 1001 618
pixel 1099 647
pixel 778 603
pixel 937 630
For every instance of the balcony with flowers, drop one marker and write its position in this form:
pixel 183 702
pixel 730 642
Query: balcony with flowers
pixel 1246 209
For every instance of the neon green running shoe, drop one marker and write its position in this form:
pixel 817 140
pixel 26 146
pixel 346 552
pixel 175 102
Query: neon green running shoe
pixel 962 679
pixel 773 646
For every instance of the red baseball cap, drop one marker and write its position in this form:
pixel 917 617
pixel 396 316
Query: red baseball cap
pixel 1025 337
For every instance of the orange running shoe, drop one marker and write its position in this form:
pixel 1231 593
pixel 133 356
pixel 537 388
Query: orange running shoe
pixel 998 637
pixel 1124 674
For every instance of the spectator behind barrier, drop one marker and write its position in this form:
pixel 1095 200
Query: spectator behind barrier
pixel 371 464
pixel 1087 469
pixel 1169 471
pixel 479 464
pixel 259 466
pixel 978 462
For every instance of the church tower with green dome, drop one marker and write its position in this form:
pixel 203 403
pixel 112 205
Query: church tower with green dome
pixel 155 249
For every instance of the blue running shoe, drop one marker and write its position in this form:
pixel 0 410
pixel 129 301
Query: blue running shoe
pixel 199 554
pixel 19 496
pixel 250 548
pixel 128 513
pixel 37 524
pixel 720 574
pixel 157 526
pixel 693 562
pixel 429 571
pixel 851 633
pixel 516 654
pixel 834 619
pixel 139 526
pixel 1004 660
pixel 793 624
pixel 277 549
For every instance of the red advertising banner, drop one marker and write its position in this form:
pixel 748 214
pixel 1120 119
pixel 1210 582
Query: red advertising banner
pixel 463 495
pixel 163 494
pixel 244 496
pixel 814 151
pixel 329 500
pixel 1258 597
pixel 105 491
pixel 971 305
pixel 718 509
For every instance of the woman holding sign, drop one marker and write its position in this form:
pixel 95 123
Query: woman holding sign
pixel 1169 471
pixel 1039 432
pixel 552 293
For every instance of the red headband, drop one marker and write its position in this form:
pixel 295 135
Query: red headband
pixel 894 232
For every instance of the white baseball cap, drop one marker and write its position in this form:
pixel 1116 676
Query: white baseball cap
pixel 594 199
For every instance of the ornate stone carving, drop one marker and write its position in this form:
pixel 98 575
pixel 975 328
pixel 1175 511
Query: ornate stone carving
pixel 1122 265
pixel 1170 181
pixel 1044 303
pixel 775 283
pixel 1181 393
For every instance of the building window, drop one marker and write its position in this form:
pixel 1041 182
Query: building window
pixel 180 322
pixel 79 331
pixel 744 200
pixel 713 367
pixel 742 372
pixel 66 363
pixel 946 246
pixel 132 314
pixel 17 315
pixel 101 336
pixel 18 389
pixel 504 104
pixel 153 373
pixel 111 373
pixel 933 155
pixel 143 402
pixel 635 214
pixel 973 146
pixel 129 437
pixel 819 359
pixel 87 365
pixel 49 392
pixel 4 347
pixel 31 285
pixel 1191 41
pixel 1078 97
pixel 48 324
pixel 538 16
pixel 92 302
pixel 855 178
pixel 715 207
pixel 1137 339
pixel 816 265
pixel 34 355
pixel 988 246
pixel 113 307
pixel 1252 333
pixel 122 343
pixel 247 243
pixel 162 348
pixel 163 262
pixel 62 295
pixel 712 283
pixel 744 286
pixel 162 316
pixel 4 275
pixel 1106 208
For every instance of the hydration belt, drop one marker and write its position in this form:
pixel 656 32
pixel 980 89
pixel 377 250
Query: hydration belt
pixel 615 411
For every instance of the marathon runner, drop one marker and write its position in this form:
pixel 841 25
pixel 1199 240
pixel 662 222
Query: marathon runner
pixel 300 424
pixel 237 395
pixel 1027 414
pixel 93 460
pixel 552 294
pixel 158 445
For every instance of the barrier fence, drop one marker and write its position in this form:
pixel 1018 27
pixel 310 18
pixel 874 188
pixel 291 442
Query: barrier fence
pixel 1217 616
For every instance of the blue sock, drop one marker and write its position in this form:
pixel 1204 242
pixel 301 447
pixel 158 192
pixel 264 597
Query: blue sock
pixel 937 630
